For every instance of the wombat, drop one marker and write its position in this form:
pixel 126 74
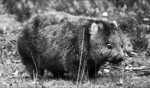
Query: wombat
pixel 65 44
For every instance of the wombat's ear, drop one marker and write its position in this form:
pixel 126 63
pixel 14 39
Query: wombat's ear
pixel 94 28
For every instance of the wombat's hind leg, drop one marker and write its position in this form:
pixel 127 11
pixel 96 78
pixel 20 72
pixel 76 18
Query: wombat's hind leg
pixel 31 70
pixel 30 66
pixel 26 57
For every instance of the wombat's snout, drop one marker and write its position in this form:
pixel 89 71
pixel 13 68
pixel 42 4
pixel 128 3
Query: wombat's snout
pixel 117 57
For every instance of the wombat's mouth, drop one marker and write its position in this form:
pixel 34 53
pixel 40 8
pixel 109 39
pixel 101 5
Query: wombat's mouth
pixel 116 60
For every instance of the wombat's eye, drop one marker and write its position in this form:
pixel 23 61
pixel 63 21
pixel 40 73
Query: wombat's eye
pixel 109 46
pixel 121 46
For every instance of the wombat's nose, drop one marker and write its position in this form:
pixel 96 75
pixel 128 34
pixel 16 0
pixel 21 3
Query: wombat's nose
pixel 122 53
pixel 121 56
pixel 117 59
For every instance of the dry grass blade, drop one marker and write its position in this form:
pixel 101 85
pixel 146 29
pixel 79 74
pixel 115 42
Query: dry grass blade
pixel 80 63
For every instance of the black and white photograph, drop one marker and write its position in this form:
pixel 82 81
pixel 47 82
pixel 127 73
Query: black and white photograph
pixel 74 43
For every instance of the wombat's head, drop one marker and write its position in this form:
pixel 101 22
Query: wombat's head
pixel 106 43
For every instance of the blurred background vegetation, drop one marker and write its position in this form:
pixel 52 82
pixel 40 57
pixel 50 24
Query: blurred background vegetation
pixel 133 16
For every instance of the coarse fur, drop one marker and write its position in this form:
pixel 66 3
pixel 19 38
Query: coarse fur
pixel 53 41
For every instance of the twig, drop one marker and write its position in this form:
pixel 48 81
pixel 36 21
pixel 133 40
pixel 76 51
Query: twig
pixel 80 63
pixel 36 69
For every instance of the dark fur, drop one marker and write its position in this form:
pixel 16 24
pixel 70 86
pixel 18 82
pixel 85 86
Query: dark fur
pixel 54 41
